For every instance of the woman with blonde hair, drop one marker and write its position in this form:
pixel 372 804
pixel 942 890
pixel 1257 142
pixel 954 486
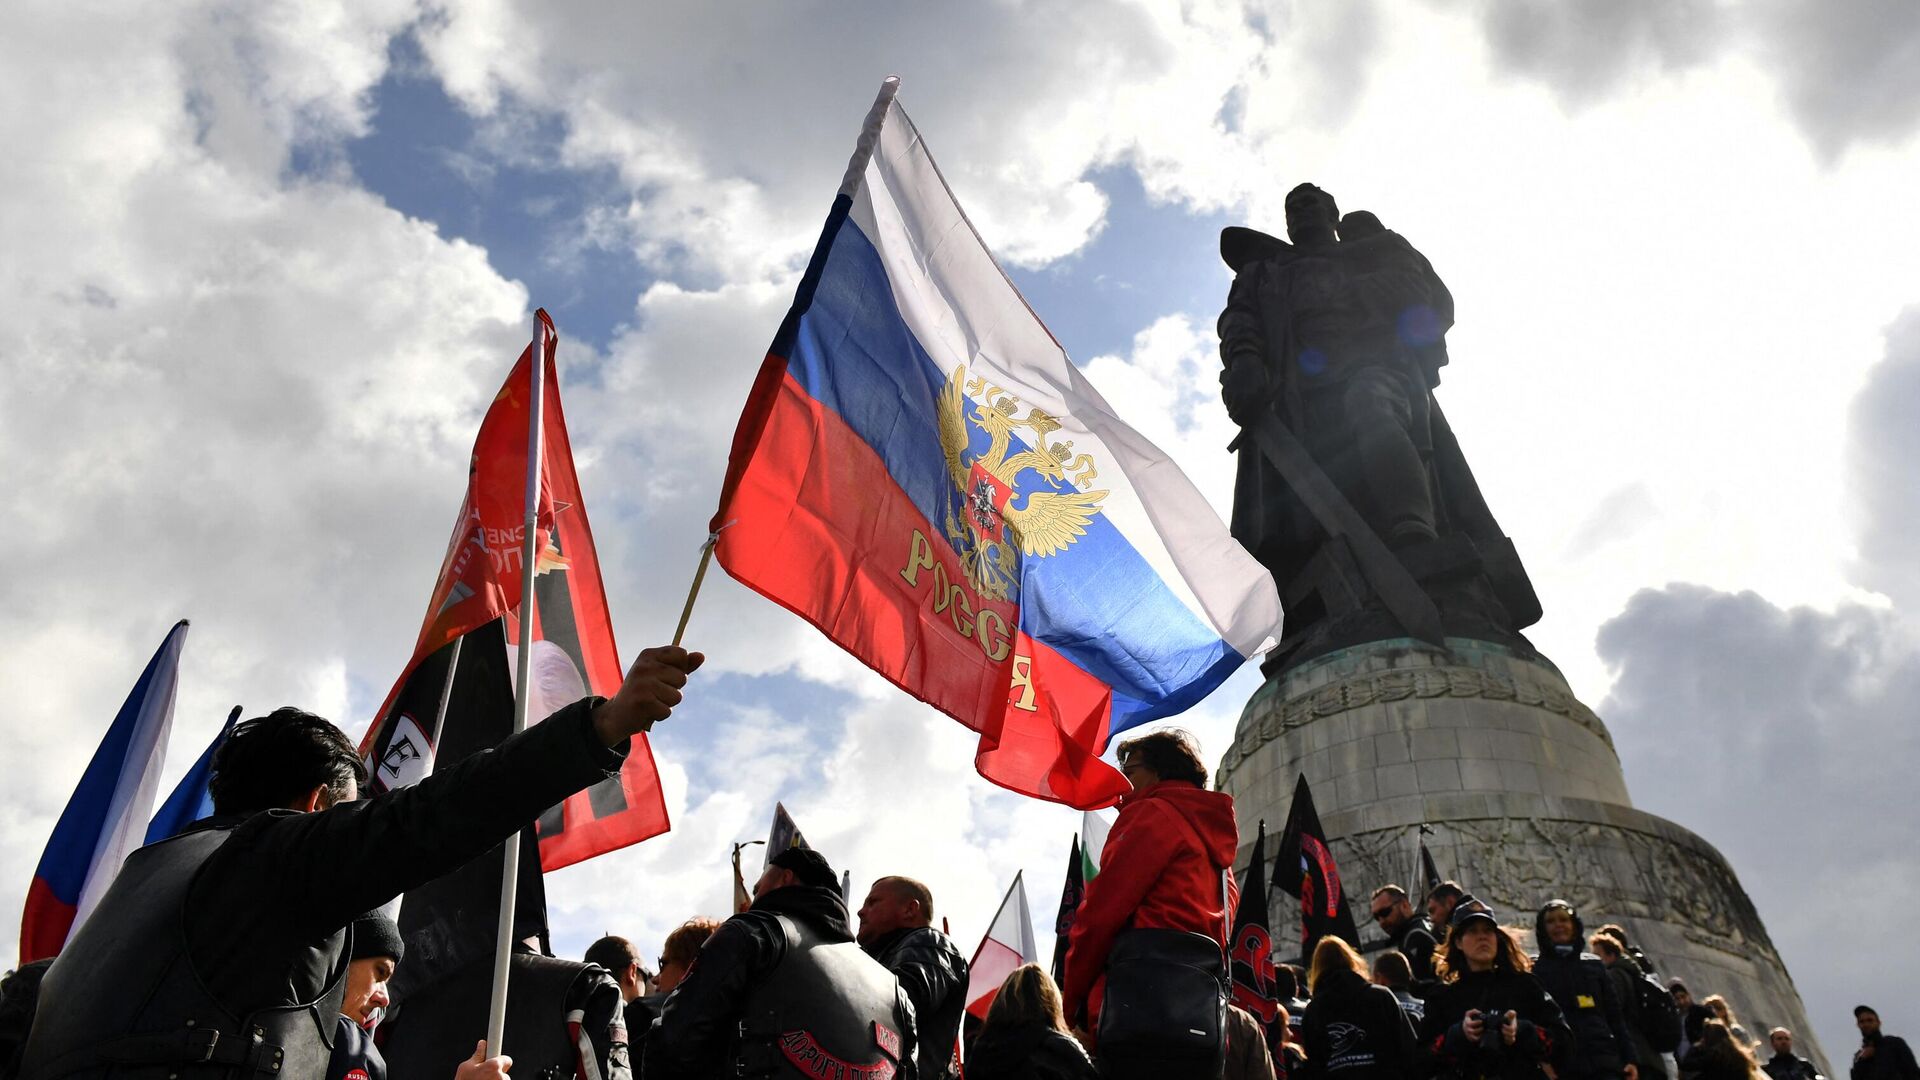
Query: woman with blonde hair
pixel 1723 1012
pixel 1353 1029
pixel 1720 1056
pixel 1025 1037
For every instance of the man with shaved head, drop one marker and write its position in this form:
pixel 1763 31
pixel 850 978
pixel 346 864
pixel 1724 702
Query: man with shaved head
pixel 896 928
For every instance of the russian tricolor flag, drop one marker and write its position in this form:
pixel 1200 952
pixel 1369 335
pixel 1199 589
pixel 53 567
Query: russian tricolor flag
pixel 192 797
pixel 923 474
pixel 106 819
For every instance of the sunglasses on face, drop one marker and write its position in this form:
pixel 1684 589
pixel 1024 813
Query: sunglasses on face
pixel 1380 914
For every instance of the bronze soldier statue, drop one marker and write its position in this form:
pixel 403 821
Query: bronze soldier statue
pixel 1352 489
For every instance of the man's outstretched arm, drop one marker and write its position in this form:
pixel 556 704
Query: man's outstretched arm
pixel 346 860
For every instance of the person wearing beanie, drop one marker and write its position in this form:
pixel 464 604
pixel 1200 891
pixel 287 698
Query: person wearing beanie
pixel 1602 1047
pixel 781 989
pixel 374 953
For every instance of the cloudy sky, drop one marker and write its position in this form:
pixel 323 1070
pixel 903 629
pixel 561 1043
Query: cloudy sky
pixel 265 262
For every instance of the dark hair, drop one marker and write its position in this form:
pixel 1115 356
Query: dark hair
pixel 614 953
pixel 1393 969
pixel 1447 890
pixel 808 867
pixel 1868 1009
pixel 684 943
pixel 1171 753
pixel 1286 982
pixel 19 999
pixel 269 761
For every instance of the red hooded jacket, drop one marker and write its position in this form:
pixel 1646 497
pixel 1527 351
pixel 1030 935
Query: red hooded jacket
pixel 1160 868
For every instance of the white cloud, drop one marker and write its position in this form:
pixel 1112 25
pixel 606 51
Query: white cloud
pixel 232 396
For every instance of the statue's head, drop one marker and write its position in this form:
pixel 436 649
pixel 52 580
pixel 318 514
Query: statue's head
pixel 1311 214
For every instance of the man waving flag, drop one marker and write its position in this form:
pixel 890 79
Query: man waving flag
pixel 923 474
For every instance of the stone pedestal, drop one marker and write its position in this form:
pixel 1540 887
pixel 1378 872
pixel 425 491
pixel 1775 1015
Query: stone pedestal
pixel 1523 792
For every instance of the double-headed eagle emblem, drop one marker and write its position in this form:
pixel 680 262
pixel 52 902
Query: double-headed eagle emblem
pixel 989 531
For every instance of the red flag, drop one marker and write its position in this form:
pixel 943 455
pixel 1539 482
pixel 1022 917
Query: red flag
pixel 573 632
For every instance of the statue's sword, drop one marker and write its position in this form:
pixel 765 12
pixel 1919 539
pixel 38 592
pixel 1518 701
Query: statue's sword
pixel 1406 601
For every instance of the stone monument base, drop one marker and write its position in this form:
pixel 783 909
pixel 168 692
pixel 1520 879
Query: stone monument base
pixel 1523 794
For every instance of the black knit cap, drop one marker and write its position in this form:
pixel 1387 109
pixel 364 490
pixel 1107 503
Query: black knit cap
pixel 809 866
pixel 376 935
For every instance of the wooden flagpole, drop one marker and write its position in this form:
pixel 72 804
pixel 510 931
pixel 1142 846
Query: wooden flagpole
pixel 522 686
pixel 699 576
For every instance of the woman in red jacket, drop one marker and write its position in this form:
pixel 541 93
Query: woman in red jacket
pixel 1160 868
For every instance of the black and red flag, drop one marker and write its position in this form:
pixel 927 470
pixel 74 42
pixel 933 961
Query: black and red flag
pixel 573 648
pixel 1304 868
pixel 1251 950
pixel 1074 891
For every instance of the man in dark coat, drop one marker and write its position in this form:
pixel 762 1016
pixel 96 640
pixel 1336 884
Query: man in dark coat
pixel 1601 1047
pixel 896 928
pixel 1881 1056
pixel 1785 1064
pixel 781 987
pixel 1411 934
pixel 622 961
pixel 263 892
pixel 1625 975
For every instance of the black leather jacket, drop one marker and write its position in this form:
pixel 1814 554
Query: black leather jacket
pixel 264 920
pixel 934 975
pixel 699 1021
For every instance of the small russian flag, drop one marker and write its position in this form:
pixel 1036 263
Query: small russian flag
pixel 106 819
pixel 192 797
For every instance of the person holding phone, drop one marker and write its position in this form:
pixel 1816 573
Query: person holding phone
pixel 1490 1019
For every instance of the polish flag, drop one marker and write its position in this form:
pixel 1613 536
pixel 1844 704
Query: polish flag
pixel 1008 945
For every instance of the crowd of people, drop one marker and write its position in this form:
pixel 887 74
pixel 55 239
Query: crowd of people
pixel 254 946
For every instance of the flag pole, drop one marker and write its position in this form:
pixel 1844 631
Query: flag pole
pixel 446 694
pixel 510 851
pixel 699 576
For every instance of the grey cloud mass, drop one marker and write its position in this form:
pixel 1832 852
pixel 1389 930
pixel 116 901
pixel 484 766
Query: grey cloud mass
pixel 1787 736
pixel 1884 454
pixel 1849 73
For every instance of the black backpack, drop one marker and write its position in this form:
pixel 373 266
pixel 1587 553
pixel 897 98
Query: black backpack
pixel 1657 1014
